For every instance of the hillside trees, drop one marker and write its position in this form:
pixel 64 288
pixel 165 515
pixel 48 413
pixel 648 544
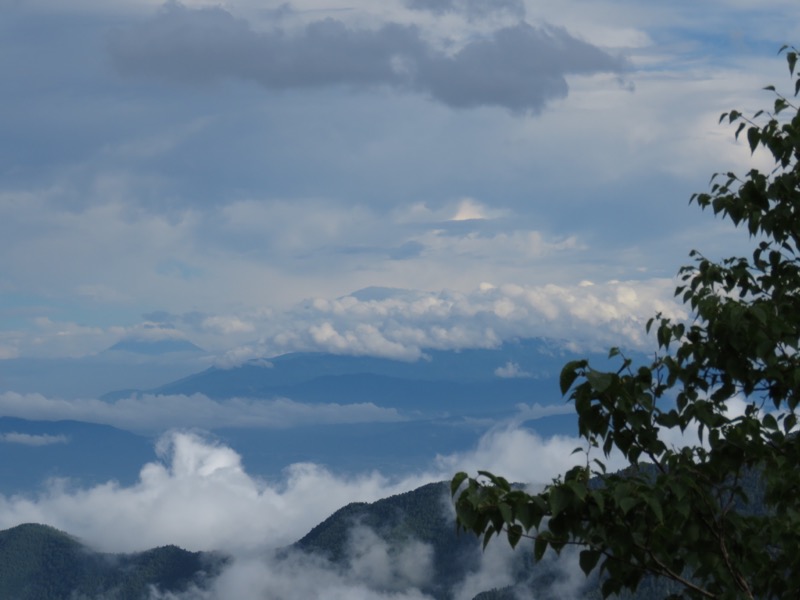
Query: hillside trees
pixel 718 513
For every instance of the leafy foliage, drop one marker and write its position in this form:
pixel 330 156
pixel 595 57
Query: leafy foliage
pixel 689 513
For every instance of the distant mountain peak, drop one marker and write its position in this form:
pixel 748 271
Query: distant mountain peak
pixel 155 347
pixel 378 293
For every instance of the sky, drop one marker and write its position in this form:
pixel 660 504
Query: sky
pixel 361 177
pixel 364 177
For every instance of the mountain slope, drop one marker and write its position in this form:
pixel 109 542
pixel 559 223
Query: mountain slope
pixel 38 562
pixel 416 515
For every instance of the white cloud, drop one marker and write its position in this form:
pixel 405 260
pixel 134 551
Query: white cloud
pixel 156 413
pixel 233 199
pixel 496 570
pixel 511 370
pixel 297 577
pixel 372 561
pixel 403 325
pixel 198 495
pixel 468 209
pixel 520 455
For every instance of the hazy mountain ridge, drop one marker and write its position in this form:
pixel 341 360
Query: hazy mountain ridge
pixel 33 451
pixel 425 515
pixel 38 562
pixel 470 380
pixel 444 402
pixel 155 347
pixel 42 563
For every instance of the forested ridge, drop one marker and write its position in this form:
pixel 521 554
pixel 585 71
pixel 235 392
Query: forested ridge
pixel 39 562
pixel 42 563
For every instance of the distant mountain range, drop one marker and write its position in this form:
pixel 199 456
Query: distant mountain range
pixel 88 453
pixel 488 382
pixel 444 402
pixel 155 347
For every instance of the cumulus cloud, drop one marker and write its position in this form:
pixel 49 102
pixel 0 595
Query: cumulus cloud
pixel 155 413
pixel 520 455
pixel 519 67
pixel 402 324
pixel 197 494
pixel 511 370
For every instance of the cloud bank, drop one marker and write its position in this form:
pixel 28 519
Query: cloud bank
pixel 147 412
pixel 198 495
pixel 519 67
pixel 401 324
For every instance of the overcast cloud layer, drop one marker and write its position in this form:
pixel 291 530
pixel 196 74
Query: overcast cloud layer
pixel 519 67
pixel 233 174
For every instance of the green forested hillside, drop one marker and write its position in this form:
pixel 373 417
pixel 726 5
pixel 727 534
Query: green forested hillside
pixel 413 515
pixel 418 515
pixel 38 562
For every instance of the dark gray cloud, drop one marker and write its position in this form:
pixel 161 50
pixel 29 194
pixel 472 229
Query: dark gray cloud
pixel 519 67
pixel 473 9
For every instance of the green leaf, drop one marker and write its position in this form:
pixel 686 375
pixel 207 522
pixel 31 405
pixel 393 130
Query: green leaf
pixel 789 422
pixel 627 504
pixel 569 374
pixel 456 482
pixel 505 512
pixel 753 137
pixel 588 560
pixel 500 482
pixel 769 422
pixel 539 548
pixel 558 500
pixel 578 488
pixel 655 506
pixel 525 513
pixel 514 534
pixel 599 381
pixel 487 537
